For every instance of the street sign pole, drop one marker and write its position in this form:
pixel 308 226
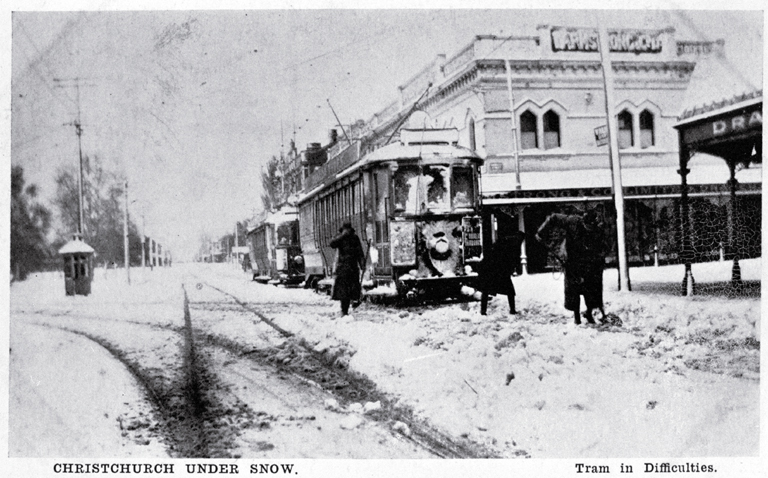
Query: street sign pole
pixel 613 145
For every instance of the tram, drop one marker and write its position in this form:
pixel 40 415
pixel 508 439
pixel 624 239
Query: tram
pixel 274 249
pixel 415 205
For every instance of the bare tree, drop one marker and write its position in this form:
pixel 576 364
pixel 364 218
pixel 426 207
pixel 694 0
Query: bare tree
pixel 103 211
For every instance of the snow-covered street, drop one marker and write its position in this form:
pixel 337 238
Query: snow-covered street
pixel 678 378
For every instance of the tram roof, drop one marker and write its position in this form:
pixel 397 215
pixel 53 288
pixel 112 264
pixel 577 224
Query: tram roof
pixel 435 149
pixel 285 214
pixel 400 151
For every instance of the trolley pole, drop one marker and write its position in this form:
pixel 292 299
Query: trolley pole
pixel 613 138
pixel 125 237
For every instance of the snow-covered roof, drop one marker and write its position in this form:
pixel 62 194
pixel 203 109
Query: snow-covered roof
pixel 719 107
pixel 413 151
pixel 76 246
pixel 285 214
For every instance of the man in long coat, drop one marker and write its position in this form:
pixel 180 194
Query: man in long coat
pixel 495 274
pixel 351 259
pixel 584 261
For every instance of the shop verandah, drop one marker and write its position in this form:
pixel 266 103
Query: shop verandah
pixel 652 212
pixel 733 131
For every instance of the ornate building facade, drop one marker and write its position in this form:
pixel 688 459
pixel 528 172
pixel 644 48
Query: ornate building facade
pixel 534 108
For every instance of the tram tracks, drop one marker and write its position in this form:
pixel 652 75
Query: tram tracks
pixel 178 381
pixel 195 380
pixel 297 357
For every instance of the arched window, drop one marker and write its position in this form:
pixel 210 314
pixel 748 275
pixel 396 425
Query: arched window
pixel 472 140
pixel 646 129
pixel 626 139
pixel 528 137
pixel 551 130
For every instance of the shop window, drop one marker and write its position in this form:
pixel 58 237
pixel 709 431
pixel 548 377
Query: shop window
pixel 528 138
pixel 646 129
pixel 626 139
pixel 551 130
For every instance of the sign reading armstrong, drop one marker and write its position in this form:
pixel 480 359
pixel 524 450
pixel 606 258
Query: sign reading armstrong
pixel 624 41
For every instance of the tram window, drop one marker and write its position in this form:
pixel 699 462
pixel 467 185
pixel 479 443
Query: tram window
pixel 406 189
pixel 472 139
pixel 626 139
pixel 285 233
pixel 436 181
pixel 343 204
pixel 646 129
pixel 381 194
pixel 462 190
pixel 354 198
pixel 346 203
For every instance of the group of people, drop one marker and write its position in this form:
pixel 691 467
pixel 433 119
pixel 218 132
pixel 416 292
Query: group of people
pixel 583 259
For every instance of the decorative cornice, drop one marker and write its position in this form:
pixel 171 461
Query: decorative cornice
pixel 479 69
pixel 571 66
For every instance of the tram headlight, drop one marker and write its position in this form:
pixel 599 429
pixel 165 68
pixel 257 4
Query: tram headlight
pixel 441 247
pixel 298 260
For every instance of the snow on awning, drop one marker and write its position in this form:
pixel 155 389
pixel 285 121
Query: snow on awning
pixel 76 247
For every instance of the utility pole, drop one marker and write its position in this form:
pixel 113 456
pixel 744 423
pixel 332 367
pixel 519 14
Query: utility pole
pixel 79 131
pixel 618 192
pixel 143 241
pixel 516 159
pixel 125 236
pixel 237 243
pixel 515 153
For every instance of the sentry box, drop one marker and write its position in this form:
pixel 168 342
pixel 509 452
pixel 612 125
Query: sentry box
pixel 78 266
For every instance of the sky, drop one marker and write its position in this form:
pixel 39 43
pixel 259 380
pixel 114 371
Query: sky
pixel 190 103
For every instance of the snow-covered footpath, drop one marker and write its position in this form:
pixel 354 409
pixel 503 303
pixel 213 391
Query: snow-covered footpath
pixel 678 378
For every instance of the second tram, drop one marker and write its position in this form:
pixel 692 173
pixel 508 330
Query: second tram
pixel 416 207
pixel 274 249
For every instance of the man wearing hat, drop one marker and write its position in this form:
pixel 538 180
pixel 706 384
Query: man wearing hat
pixel 584 260
pixel 351 259
pixel 495 274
